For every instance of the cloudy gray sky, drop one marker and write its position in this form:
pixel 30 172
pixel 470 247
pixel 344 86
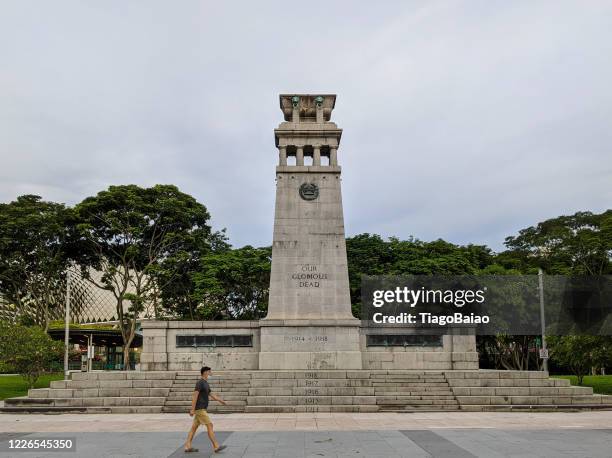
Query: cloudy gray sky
pixel 466 120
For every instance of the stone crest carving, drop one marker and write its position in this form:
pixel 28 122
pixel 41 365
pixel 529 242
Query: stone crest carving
pixel 309 191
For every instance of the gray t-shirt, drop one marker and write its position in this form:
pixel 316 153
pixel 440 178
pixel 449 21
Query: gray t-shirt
pixel 203 391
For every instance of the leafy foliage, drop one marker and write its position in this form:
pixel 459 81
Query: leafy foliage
pixel 369 254
pixel 28 350
pixel 34 236
pixel 233 284
pixel 179 298
pixel 580 244
pixel 132 235
pixel 581 353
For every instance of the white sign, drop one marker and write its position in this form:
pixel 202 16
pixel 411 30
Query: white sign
pixel 543 353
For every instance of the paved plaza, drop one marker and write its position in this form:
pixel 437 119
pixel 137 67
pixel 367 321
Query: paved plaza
pixel 435 434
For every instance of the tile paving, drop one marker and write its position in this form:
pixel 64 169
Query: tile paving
pixel 422 435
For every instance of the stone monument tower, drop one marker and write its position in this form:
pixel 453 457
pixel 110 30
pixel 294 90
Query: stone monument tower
pixel 309 323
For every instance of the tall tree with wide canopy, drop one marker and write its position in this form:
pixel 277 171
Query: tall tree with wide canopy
pixel 33 257
pixel 128 233
pixel 233 284
pixel 176 275
pixel 370 254
pixel 579 244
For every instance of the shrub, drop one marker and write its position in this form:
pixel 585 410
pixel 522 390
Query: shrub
pixel 28 350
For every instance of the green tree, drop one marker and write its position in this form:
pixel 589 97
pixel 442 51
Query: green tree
pixel 128 233
pixel 370 254
pixel 580 353
pixel 176 277
pixel 28 350
pixel 34 237
pixel 233 284
pixel 580 244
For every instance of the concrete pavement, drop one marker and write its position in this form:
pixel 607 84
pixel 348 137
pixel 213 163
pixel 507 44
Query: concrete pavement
pixel 308 421
pixel 314 435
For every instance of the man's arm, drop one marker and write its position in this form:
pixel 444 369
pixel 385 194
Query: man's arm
pixel 215 398
pixel 194 399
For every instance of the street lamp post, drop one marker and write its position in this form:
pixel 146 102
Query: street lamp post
pixel 67 325
pixel 543 320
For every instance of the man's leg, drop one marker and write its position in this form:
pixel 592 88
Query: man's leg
pixel 192 431
pixel 211 436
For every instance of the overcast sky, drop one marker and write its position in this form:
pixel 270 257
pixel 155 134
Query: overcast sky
pixel 465 120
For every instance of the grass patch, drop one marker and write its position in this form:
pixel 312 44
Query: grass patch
pixel 14 385
pixel 602 384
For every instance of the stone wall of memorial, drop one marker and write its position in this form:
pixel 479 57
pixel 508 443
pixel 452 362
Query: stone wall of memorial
pixel 189 345
pixel 444 352
pixel 236 345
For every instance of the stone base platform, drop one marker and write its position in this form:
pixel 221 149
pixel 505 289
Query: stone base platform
pixel 311 391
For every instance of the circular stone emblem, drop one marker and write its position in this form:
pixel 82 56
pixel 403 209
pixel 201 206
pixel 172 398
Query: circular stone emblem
pixel 309 191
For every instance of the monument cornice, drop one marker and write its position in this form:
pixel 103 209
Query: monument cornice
pixel 347 322
pixel 308 169
pixel 307 132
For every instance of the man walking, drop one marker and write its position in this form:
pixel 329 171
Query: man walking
pixel 199 404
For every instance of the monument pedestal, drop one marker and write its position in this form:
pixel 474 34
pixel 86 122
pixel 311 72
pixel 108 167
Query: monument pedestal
pixel 309 344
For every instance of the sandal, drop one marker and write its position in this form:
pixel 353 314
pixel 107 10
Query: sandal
pixel 221 447
pixel 191 450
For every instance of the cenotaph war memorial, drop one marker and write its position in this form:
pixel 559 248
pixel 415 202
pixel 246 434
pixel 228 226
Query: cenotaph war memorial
pixel 309 324
pixel 309 354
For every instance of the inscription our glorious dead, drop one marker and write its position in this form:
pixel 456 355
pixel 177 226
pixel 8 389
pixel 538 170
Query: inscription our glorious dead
pixel 308 276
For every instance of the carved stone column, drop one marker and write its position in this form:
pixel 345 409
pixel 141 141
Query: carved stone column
pixel 299 156
pixel 333 155
pixel 282 155
pixel 316 160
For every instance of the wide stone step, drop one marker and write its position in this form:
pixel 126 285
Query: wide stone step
pixel 408 378
pixel 408 387
pixel 303 391
pixel 211 409
pixel 228 391
pixel 310 400
pixel 97 392
pixel 403 395
pixel 311 408
pixel 130 409
pixel 535 407
pixel 88 402
pixel 212 382
pixel 405 383
pixel 43 409
pixel 415 402
pixel 511 382
pixel 523 391
pixel 419 408
pixel 182 397
pixel 28 402
pixel 263 383
pixel 177 402
pixel 213 379
pixel 530 400
pixel 79 384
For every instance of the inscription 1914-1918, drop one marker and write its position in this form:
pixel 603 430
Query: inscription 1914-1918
pixel 309 277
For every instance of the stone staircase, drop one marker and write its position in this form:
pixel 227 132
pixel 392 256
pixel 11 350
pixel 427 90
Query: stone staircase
pixel 487 390
pixel 98 392
pixel 232 387
pixel 348 391
pixel 311 391
pixel 413 392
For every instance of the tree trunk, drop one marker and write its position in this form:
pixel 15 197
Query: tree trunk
pixel 126 357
